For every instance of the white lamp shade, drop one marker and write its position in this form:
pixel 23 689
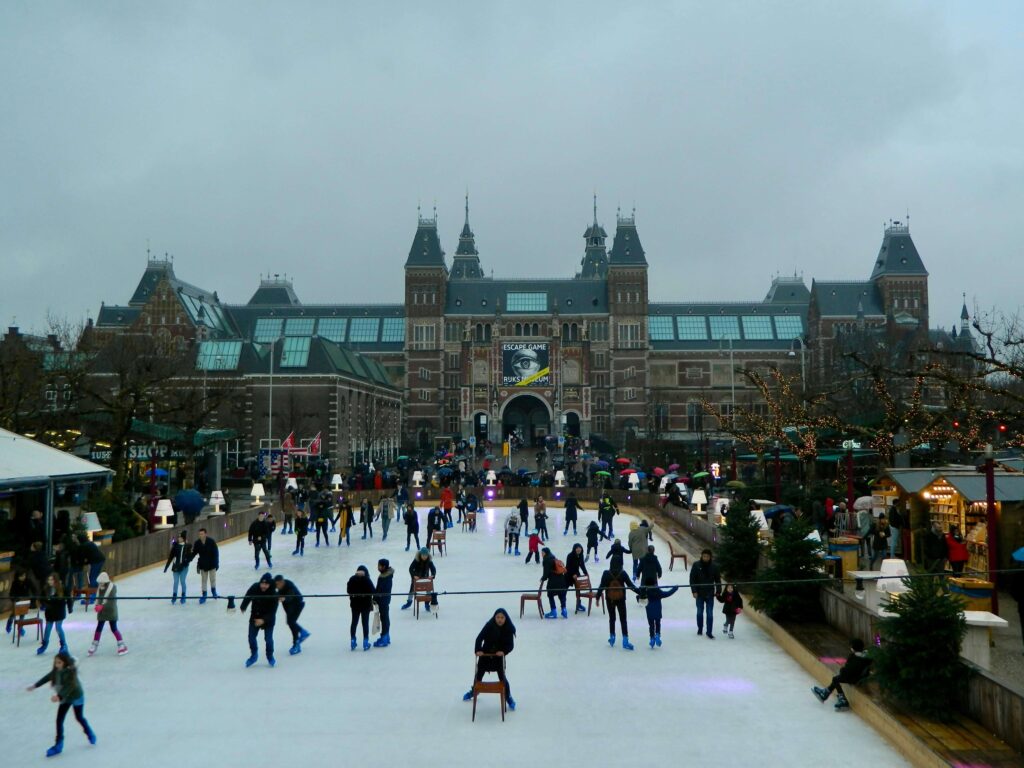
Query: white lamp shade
pixel 164 508
pixel 91 521
pixel 559 479
pixel 336 480
pixel 813 536
pixel 217 497
pixel 291 482
pixel 257 490
pixel 893 568
pixel 699 497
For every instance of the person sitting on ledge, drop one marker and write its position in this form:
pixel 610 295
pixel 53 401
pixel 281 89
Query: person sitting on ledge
pixel 853 672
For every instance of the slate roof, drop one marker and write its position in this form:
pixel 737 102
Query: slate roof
pixel 842 298
pixel 482 297
pixel 117 317
pixel 788 290
pixel 1008 487
pixel 626 247
pixel 156 270
pixel 275 292
pixel 426 250
pixel 898 255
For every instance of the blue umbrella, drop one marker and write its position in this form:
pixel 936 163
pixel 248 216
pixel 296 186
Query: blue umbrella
pixel 1018 555
pixel 523 471
pixel 601 464
pixel 444 471
pixel 189 502
pixel 777 509
pixel 159 472
pixel 642 475
pixel 671 476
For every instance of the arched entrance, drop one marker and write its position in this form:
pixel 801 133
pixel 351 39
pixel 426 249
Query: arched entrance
pixel 571 424
pixel 528 416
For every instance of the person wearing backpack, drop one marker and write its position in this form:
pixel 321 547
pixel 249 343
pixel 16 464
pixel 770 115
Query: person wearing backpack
pixel 614 583
pixel 554 574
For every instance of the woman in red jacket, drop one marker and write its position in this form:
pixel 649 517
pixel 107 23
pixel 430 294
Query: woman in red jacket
pixel 957 549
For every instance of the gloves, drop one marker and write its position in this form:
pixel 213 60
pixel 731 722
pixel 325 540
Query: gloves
pixel 98 608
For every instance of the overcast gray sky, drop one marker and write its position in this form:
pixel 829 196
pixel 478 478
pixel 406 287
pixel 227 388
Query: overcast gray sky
pixel 753 138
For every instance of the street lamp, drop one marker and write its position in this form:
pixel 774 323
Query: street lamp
pixel 803 360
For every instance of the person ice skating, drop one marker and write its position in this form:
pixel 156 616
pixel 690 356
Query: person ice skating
pixel 401 502
pixel 271 527
pixel 460 504
pixel 732 606
pixel 291 601
pixel 496 641
pixel 301 531
pixel 288 512
pixel 360 601
pixel 384 515
pixel 540 518
pixel 207 555
pixel 593 533
pixel 54 611
pixel 524 513
pixel 572 508
pixel 650 567
pixel 614 583
pixel 706 585
pixel 178 560
pixel 412 525
pixel 258 538
pixel 366 517
pixel 512 524
pixel 852 672
pixel 616 554
pixel 321 517
pixel 263 598
pixel 606 512
pixel 447 501
pixel 68 694
pixel 654 595
pixel 554 574
pixel 346 519
pixel 382 598
pixel 639 535
pixel 421 567
pixel 106 612
pixel 533 548
pixel 576 566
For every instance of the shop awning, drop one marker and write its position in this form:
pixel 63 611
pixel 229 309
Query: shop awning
pixel 25 463
pixel 164 433
pixel 972 487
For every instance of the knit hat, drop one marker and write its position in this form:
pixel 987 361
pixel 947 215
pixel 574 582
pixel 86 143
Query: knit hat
pixel 424 551
pixel 384 561
pixel 103 578
pixel 279 577
pixel 266 577
pixel 633 525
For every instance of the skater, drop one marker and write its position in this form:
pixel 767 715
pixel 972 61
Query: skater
pixel 384 515
pixel 606 512
pixel 616 553
pixel 447 501
pixel 650 567
pixel 472 505
pixel 524 513
pixel 258 538
pixel 706 585
pixel 63 676
pixel 106 611
pixel 345 520
pixel 382 598
pixel 360 602
pixel 264 600
pixel 421 567
pixel 177 560
pixel 554 574
pixel 55 611
pixel 593 533
pixel 366 516
pixel 288 512
pixel 732 606
pixel 401 501
pixel 412 525
pixel 654 594
pixel 638 537
pixel 321 518
pixel 576 566
pixel 540 518
pixel 301 530
pixel 572 508
pixel 207 555
pixel 614 583
pixel 853 671
pixel 512 524
pixel 435 522
pixel 534 547
pixel 291 600
pixel 271 527
pixel 496 641
pixel 460 503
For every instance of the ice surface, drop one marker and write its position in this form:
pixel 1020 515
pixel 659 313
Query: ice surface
pixel 183 697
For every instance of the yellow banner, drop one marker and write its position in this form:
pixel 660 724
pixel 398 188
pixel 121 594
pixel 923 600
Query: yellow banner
pixel 530 379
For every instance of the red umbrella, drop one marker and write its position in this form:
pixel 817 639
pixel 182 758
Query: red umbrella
pixel 658 471
pixel 623 461
pixel 629 471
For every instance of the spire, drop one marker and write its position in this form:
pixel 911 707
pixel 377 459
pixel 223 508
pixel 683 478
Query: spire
pixel 595 257
pixel 626 247
pixel 467 261
pixel 964 316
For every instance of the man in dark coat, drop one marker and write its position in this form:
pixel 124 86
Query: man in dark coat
pixel 572 508
pixel 263 598
pixel 292 602
pixel 575 567
pixel 495 641
pixel 706 585
pixel 554 574
pixel 207 555
pixel 382 597
pixel 650 567
pixel 258 533
pixel 412 525
pixel 606 512
pixel 421 567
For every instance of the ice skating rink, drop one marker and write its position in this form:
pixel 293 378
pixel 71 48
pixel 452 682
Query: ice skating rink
pixel 182 695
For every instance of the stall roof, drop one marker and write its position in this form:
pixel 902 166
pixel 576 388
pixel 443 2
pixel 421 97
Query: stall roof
pixel 917 479
pixel 972 487
pixel 25 462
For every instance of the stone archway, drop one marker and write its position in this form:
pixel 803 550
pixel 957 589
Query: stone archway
pixel 528 415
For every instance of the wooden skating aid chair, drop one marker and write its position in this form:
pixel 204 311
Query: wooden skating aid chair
pixel 422 593
pixel 22 619
pixel 488 686
pixel 526 598
pixel 438 539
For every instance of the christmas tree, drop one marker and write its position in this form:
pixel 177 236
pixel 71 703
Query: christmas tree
pixel 739 546
pixel 788 588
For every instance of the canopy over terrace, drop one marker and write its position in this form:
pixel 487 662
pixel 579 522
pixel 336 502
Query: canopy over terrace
pixel 27 465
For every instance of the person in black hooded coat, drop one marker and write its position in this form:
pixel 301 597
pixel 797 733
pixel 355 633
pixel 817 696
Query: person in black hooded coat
pixel 360 599
pixel 495 641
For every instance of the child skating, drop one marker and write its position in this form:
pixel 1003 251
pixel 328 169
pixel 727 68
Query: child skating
pixel 68 694
pixel 732 606
pixel 593 534
pixel 534 547
pixel 106 611
pixel 654 595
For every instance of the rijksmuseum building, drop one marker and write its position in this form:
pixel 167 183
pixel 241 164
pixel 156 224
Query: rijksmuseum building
pixel 465 354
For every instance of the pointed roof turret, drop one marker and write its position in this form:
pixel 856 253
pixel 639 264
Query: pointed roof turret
pixel 467 259
pixel 595 257
pixel 898 255
pixel 626 247
pixel 426 248
pixel 964 316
